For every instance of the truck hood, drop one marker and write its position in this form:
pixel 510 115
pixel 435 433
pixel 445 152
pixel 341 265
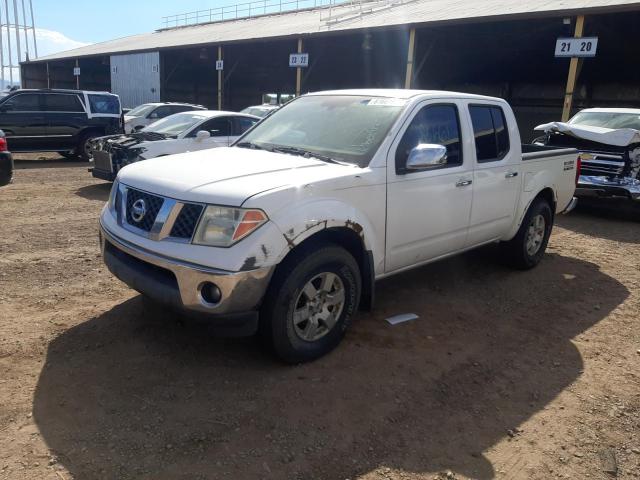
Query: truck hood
pixel 226 176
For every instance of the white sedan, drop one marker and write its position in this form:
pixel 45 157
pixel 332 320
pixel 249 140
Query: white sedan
pixel 147 113
pixel 179 133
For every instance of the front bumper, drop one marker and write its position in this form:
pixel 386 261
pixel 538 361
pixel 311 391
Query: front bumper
pixel 102 174
pixel 597 186
pixel 179 284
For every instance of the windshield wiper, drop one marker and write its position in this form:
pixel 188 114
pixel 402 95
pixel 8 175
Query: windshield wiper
pixel 251 145
pixel 307 154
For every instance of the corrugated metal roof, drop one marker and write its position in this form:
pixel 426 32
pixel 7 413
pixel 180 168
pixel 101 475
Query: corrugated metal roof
pixel 314 21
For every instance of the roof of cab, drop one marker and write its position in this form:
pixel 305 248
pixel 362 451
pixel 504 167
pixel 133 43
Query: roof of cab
pixel 405 94
pixel 633 111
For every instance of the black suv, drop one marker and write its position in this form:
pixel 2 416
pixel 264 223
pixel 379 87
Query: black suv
pixel 62 121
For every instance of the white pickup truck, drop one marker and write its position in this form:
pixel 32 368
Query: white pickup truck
pixel 287 231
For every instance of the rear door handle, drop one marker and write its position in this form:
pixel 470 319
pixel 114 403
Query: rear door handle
pixel 464 183
pixel 511 175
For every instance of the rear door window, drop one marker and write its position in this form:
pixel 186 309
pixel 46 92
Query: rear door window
pixel 60 102
pixel 490 132
pixel 23 102
pixel 242 124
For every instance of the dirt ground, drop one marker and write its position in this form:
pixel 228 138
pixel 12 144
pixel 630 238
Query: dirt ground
pixel 507 375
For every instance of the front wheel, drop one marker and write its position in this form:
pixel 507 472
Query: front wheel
pixel 84 146
pixel 527 248
pixel 310 303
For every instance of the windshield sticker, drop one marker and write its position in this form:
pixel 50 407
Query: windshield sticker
pixel 386 102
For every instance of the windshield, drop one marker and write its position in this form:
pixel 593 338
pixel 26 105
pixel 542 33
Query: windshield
pixel 174 125
pixel 347 128
pixel 607 120
pixel 141 110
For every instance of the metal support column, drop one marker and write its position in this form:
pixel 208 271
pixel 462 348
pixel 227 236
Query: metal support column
pixel 411 55
pixel 77 76
pixel 219 79
pixel 299 71
pixel 574 67
pixel 48 77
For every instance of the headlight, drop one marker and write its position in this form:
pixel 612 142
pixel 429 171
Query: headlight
pixel 113 196
pixel 224 226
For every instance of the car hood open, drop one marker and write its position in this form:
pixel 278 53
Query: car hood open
pixel 621 137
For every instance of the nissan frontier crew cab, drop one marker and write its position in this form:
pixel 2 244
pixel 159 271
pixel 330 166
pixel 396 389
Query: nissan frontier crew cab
pixel 286 232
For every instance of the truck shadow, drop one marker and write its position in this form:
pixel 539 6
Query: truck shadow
pixel 134 394
pixel 611 220
pixel 95 191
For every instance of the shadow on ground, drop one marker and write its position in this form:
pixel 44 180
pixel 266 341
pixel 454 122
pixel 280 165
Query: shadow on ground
pixel 134 394
pixel 95 191
pixel 44 162
pixel 593 217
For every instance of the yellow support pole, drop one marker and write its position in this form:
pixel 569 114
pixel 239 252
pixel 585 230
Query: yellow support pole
pixel 299 71
pixel 411 55
pixel 219 79
pixel 573 73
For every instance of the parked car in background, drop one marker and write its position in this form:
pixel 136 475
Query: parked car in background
pixel 148 113
pixel 63 121
pixel 260 110
pixel 609 143
pixel 289 228
pixel 179 133
pixel 6 161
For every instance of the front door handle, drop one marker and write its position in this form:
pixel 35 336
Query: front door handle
pixel 511 175
pixel 464 183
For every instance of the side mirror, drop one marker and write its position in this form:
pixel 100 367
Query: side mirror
pixel 137 128
pixel 153 115
pixel 427 156
pixel 202 135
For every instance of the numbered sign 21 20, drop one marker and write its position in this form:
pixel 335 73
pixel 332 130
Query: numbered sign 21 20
pixel 577 47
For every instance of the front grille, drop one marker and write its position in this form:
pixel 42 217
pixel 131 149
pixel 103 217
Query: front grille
pixel 152 206
pixel 187 220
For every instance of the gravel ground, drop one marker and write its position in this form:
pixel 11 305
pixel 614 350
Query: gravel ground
pixel 514 375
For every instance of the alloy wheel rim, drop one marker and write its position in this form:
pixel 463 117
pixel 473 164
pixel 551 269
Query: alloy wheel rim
pixel 535 234
pixel 319 306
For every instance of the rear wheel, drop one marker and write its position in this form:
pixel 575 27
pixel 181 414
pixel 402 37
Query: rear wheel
pixel 310 303
pixel 527 248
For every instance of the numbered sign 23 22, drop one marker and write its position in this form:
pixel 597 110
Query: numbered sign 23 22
pixel 299 60
pixel 577 47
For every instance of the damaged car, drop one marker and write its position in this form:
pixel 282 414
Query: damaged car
pixel 609 143
pixel 179 133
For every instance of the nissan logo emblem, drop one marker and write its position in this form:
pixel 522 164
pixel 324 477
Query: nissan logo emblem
pixel 138 210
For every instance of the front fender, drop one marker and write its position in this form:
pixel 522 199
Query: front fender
pixel 313 216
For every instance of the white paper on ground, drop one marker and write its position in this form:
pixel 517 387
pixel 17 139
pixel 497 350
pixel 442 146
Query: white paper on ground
pixel 405 317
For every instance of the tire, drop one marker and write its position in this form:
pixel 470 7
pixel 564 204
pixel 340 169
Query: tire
pixel 82 150
pixel 527 248
pixel 5 178
pixel 332 274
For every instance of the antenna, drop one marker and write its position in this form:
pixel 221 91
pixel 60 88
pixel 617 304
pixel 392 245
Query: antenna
pixel 16 22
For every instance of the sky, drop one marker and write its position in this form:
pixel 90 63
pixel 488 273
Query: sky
pixel 66 24
pixel 91 21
